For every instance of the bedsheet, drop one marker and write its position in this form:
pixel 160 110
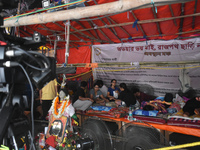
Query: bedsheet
pixel 178 119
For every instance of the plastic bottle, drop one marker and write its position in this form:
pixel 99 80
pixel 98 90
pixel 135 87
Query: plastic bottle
pixel 130 114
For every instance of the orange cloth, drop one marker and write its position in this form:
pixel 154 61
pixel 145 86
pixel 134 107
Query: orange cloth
pixel 177 129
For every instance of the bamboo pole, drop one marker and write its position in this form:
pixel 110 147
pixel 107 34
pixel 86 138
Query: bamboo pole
pixel 120 27
pixel 193 19
pixel 55 48
pixel 67 42
pixel 155 16
pixel 90 23
pixel 85 35
pixel 84 28
pixel 138 37
pixel 70 33
pixel 84 12
pixel 139 22
pixel 128 64
pixel 144 21
pixel 112 30
pixel 103 33
pixel 171 10
pixel 144 34
pixel 181 22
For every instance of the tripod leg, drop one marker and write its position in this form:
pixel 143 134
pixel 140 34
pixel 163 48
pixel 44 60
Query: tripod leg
pixel 10 131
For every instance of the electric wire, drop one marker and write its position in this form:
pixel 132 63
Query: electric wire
pixel 44 57
pixel 44 9
pixel 31 56
pixel 32 103
pixel 25 52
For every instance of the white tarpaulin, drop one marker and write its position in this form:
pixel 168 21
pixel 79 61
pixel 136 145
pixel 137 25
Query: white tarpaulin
pixel 162 80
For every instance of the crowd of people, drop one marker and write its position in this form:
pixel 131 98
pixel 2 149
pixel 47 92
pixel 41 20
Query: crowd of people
pixel 116 96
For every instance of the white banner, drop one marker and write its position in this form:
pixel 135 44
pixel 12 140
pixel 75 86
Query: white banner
pixel 162 80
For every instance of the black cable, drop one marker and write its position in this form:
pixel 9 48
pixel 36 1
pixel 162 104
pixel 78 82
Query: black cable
pixel 32 103
pixel 36 68
pixel 25 52
pixel 28 53
pixel 43 56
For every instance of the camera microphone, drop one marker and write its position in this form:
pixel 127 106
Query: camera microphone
pixel 10 64
pixel 13 53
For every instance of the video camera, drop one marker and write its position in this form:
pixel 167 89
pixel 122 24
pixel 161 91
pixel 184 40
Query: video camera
pixel 19 67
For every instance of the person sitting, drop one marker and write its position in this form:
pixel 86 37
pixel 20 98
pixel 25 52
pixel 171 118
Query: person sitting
pixel 97 96
pixel 125 96
pixel 113 91
pixel 80 101
pixel 102 87
pixel 140 96
pixel 192 107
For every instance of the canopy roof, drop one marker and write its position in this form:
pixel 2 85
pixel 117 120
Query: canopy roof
pixel 180 20
pixel 137 21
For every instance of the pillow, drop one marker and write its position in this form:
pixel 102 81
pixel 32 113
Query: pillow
pixel 160 97
pixel 145 112
pixel 179 100
pixel 101 108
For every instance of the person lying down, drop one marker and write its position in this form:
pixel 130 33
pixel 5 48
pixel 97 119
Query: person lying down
pixel 159 105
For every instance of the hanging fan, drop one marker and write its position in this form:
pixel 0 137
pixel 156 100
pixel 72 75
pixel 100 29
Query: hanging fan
pixel 98 133
pixel 138 137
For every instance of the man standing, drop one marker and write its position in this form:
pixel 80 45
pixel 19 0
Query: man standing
pixel 47 94
pixel 80 102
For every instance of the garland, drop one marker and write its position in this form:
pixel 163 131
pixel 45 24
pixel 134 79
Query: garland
pixel 58 111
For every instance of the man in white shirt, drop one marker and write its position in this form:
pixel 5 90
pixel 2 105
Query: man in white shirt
pixel 102 88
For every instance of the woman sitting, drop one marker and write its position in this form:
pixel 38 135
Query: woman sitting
pixel 97 96
pixel 192 107
pixel 125 96
pixel 113 91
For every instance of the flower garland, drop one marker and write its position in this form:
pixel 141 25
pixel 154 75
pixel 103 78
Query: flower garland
pixel 58 111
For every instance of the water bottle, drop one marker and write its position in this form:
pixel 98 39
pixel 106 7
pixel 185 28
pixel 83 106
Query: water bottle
pixel 130 114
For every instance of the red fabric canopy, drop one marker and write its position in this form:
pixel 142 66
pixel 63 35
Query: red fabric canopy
pixel 80 52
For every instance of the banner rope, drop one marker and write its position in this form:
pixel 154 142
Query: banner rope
pixel 77 75
pixel 147 68
pixel 179 146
